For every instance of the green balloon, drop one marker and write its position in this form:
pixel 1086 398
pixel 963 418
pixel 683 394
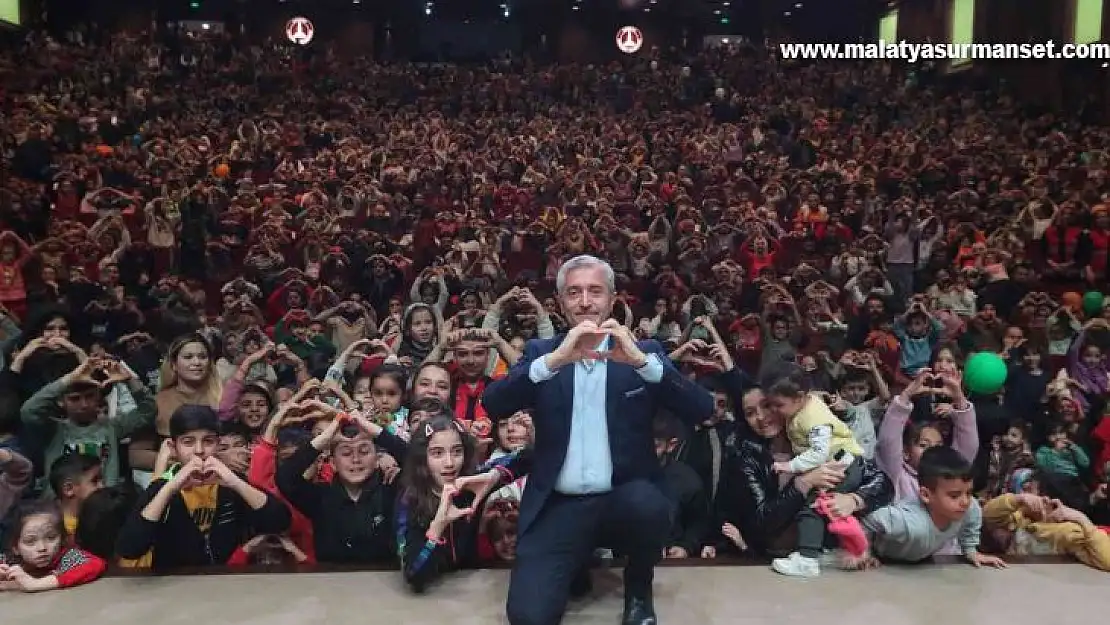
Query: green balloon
pixel 1092 303
pixel 984 373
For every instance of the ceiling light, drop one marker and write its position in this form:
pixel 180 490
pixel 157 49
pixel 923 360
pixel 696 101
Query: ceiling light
pixel 787 14
pixel 798 5
pixel 717 12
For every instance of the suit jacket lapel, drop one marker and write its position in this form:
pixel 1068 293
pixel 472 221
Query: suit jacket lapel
pixel 566 385
pixel 566 381
pixel 612 394
pixel 614 373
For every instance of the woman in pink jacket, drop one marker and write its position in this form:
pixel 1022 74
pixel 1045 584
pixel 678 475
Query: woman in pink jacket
pixel 900 446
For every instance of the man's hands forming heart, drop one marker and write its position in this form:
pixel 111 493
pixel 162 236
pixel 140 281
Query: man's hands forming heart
pixel 584 342
pixel 622 347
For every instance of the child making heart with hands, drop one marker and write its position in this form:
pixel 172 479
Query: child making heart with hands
pixel 359 490
pixel 900 446
pixel 437 521
pixel 176 515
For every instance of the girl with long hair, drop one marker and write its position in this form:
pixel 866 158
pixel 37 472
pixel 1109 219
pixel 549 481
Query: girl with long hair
pixel 438 513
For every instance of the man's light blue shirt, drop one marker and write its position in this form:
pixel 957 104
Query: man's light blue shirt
pixel 588 466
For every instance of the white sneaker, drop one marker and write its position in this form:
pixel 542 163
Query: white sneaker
pixel 796 565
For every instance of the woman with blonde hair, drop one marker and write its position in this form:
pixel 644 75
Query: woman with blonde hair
pixel 188 376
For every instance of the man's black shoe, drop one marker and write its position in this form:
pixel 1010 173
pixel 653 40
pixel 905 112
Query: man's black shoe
pixel 639 611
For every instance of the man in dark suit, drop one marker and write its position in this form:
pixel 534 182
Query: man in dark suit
pixel 593 393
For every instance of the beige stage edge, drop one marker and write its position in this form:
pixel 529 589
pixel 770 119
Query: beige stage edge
pixel 948 594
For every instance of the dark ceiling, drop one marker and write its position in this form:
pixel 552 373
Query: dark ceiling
pixel 805 19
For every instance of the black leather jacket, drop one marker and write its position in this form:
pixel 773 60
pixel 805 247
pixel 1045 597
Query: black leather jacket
pixel 765 510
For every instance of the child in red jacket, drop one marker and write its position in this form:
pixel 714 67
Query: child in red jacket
pixel 37 558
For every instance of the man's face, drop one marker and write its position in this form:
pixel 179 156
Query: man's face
pixel 472 358
pixel 875 307
pixel 586 295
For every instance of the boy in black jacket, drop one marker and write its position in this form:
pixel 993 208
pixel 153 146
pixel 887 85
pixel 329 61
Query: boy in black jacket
pixel 200 514
pixel 683 487
pixel 352 517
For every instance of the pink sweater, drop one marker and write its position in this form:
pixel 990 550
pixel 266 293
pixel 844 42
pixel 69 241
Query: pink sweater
pixel 229 400
pixel 889 452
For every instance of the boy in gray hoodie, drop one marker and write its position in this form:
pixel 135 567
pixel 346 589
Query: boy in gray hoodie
pixel 69 410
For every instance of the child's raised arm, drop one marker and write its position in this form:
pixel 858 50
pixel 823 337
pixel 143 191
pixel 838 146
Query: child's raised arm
pixel 889 450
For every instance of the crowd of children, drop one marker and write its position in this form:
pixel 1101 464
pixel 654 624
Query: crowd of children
pixel 249 321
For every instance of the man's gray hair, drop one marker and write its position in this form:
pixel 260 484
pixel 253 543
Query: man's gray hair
pixel 582 261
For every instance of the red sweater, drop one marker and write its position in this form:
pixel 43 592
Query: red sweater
pixel 262 475
pixel 73 567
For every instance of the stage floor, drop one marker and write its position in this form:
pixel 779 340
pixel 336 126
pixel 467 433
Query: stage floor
pixel 749 595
